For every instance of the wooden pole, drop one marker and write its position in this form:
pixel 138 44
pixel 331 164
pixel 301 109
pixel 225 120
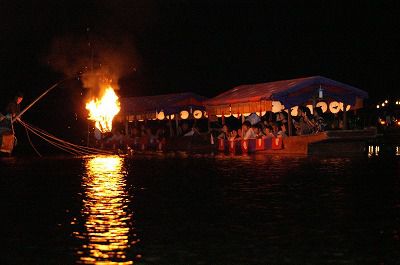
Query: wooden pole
pixel 290 123
pixel 171 131
pixel 344 117
pixel 176 123
pixel 38 98
pixel 126 125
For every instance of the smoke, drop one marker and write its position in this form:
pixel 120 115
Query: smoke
pixel 98 61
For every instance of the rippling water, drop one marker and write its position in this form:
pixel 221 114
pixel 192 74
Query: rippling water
pixel 200 209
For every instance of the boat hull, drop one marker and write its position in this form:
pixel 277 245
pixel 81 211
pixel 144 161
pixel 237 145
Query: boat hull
pixel 330 142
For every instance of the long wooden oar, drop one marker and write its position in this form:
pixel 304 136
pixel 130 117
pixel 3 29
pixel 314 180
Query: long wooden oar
pixel 38 98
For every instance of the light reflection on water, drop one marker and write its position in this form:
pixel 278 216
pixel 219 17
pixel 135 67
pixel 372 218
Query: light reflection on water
pixel 106 214
pixel 202 209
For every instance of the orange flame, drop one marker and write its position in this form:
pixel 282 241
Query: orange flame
pixel 103 111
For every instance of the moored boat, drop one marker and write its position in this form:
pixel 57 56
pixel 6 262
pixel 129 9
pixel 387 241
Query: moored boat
pixel 328 142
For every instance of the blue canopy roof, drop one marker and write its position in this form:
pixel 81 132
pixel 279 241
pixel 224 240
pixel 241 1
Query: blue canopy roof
pixel 290 92
pixel 168 103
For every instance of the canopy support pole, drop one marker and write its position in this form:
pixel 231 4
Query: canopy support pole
pixel 176 124
pixel 171 132
pixel 126 125
pixel 290 123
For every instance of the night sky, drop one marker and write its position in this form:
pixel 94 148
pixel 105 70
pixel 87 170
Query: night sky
pixel 206 46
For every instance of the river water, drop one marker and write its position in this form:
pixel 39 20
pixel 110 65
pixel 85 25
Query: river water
pixel 200 209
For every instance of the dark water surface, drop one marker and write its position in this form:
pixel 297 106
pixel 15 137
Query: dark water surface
pixel 200 209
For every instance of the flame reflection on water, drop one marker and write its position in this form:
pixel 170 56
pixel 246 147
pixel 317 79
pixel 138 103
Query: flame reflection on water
pixel 106 214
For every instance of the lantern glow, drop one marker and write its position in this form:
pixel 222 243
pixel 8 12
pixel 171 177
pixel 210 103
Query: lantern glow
pixel 197 114
pixel 323 106
pixel 277 106
pixel 334 107
pixel 184 114
pixel 160 115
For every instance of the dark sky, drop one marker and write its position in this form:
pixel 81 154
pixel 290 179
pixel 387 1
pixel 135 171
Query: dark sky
pixel 209 46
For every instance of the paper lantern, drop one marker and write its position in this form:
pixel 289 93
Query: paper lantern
pixel 160 115
pixel 294 111
pixel 277 106
pixel 235 115
pixel 227 115
pixel 323 106
pixel 310 107
pixel 197 114
pixel 342 106
pixel 334 107
pixel 184 114
pixel 205 114
pixel 170 117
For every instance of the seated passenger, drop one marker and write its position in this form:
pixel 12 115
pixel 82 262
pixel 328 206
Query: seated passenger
pixel 275 129
pixel 233 135
pixel 151 137
pixel 305 125
pixel 248 132
pixel 192 132
pixel 282 131
pixel 268 131
pixel 319 120
pixel 224 133
pixel 255 130
pixel 282 117
pixel 239 134
pixel 183 129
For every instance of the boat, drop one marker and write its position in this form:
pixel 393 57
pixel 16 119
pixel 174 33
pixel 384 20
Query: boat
pixel 287 96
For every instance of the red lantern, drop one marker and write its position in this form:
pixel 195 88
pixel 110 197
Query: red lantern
pixel 277 143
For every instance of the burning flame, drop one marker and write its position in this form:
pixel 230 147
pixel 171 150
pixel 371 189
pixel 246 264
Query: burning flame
pixel 103 111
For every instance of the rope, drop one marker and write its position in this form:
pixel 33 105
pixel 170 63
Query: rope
pixel 66 149
pixel 13 132
pixel 62 144
pixel 29 138
pixel 46 134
